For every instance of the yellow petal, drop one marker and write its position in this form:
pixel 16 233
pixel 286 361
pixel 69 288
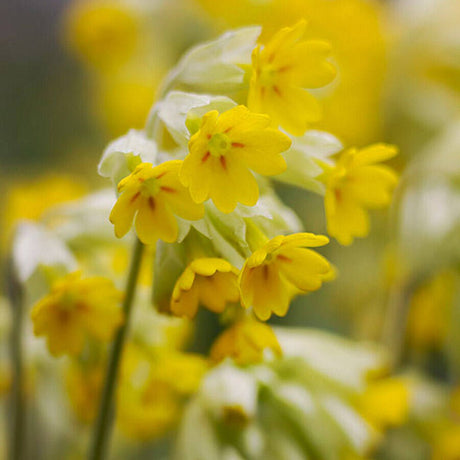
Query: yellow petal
pixel 155 221
pixel 123 211
pixel 304 268
pixel 375 154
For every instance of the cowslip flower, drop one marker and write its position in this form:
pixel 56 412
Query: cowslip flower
pixel 282 268
pixel 354 184
pixel 246 342
pixel 210 282
pixel 155 195
pixel 224 150
pixel 281 72
pixel 74 309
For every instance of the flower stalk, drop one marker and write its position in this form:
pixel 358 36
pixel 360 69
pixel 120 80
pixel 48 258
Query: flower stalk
pixel 15 295
pixel 104 421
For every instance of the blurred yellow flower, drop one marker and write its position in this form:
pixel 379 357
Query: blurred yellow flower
pixel 74 309
pixel 447 443
pixel 356 183
pixel 355 30
pixel 430 311
pixel 156 195
pixel 280 269
pixel 385 402
pixel 210 282
pixel 102 34
pixel 5 380
pixel 246 342
pixel 281 72
pixel 223 151
pixel 30 200
pixel 83 385
pixel 151 389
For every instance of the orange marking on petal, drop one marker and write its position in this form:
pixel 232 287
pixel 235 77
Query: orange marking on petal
pixel 237 144
pixel 283 258
pixel 228 129
pixel 223 162
pixel 151 202
pixel 168 189
pixel 265 272
pixel 135 197
pixel 161 175
pixel 277 90
pixel 205 157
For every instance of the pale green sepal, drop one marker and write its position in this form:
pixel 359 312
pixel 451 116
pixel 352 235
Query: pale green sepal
pixel 305 157
pixel 122 155
pixel 215 66
pixel 179 112
pixel 35 247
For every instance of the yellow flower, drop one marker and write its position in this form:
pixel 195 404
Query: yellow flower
pixel 152 387
pixel 102 33
pixel 385 402
pixel 32 199
pixel 76 308
pixel 281 72
pixel 279 270
pixel 246 342
pixel 156 195
pixel 223 151
pixel 355 184
pixel 447 443
pixel 83 385
pixel 430 311
pixel 211 282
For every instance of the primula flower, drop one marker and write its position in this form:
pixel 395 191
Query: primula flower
pixel 211 282
pixel 355 184
pixel 281 71
pixel 76 308
pixel 246 342
pixel 223 151
pixel 280 269
pixel 156 195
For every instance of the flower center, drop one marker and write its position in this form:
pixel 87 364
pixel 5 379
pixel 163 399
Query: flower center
pixel 267 76
pixel 150 187
pixel 219 144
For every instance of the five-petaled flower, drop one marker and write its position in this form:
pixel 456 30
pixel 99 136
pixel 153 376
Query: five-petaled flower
pixel 282 268
pixel 156 195
pixel 76 308
pixel 211 282
pixel 222 152
pixel 354 184
pixel 281 72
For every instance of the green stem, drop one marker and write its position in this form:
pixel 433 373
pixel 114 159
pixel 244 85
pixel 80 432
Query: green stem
pixel 106 408
pixel 15 294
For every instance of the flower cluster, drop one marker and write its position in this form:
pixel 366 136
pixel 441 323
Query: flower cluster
pixel 194 191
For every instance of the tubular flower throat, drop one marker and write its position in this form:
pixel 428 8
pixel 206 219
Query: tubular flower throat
pixel 281 269
pixel 246 342
pixel 76 308
pixel 222 152
pixel 355 184
pixel 281 72
pixel 211 282
pixel 156 195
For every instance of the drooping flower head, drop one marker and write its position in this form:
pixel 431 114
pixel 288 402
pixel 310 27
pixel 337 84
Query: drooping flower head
pixel 155 195
pixel 281 269
pixel 210 282
pixel 355 184
pixel 246 342
pixel 281 72
pixel 224 150
pixel 76 308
